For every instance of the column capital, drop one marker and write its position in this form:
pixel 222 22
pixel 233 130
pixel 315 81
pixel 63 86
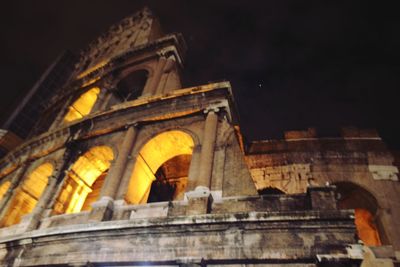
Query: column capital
pixel 211 110
pixel 133 125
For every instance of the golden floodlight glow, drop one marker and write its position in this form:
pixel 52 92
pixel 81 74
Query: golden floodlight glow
pixel 81 177
pixel 366 228
pixel 153 154
pixel 3 188
pixel 83 105
pixel 28 194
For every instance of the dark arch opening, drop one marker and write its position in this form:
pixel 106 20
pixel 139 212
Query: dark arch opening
pixel 171 179
pixel 270 191
pixel 131 87
pixel 352 196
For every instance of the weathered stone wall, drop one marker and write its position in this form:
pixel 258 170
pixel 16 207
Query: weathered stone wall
pixel 136 30
pixel 286 234
pixel 239 227
pixel 358 157
pixel 220 220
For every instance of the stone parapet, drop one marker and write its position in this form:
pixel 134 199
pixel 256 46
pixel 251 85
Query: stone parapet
pixel 290 237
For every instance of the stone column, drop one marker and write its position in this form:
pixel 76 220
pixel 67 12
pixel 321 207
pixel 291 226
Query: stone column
pixel 99 101
pixel 105 100
pixel 46 201
pixel 199 198
pixel 126 178
pixel 32 220
pixel 207 149
pixel 194 168
pixel 116 172
pixel 155 80
pixel 61 113
pixel 18 176
pixel 164 77
pixel 103 209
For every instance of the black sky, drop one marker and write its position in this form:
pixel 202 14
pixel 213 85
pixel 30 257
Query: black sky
pixel 292 64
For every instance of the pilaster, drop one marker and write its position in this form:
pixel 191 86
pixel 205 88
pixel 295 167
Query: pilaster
pixel 207 148
pixel 103 208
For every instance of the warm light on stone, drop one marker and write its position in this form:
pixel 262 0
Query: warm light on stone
pixel 151 174
pixel 82 106
pixel 153 154
pixel 81 177
pixel 366 228
pixel 28 194
pixel 3 188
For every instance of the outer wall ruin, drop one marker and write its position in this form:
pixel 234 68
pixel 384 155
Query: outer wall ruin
pixel 126 168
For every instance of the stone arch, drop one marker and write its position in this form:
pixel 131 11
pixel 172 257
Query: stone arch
pixel 27 194
pixel 123 73
pixel 149 133
pixel 83 105
pixel 104 142
pixel 354 196
pixel 132 85
pixel 270 190
pixel 84 180
pixel 169 147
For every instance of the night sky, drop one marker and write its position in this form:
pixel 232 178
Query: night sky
pixel 292 64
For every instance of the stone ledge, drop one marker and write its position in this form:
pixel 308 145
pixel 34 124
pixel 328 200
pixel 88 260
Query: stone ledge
pixel 265 237
pixel 250 217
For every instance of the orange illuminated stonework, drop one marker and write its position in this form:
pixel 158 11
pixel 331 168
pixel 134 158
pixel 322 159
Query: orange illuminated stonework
pixel 366 228
pixel 81 178
pixel 27 194
pixel 82 106
pixel 155 153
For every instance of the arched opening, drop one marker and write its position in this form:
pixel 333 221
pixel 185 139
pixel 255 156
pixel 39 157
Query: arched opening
pixel 171 179
pixel 131 87
pixel 161 169
pixel 270 191
pixel 352 196
pixel 27 194
pixel 84 180
pixel 82 106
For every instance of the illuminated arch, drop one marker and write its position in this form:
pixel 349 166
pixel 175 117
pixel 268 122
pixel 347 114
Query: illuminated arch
pixel 160 149
pixel 27 194
pixel 84 180
pixel 83 105
pixel 352 196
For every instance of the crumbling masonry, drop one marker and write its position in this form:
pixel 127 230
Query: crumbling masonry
pixel 124 167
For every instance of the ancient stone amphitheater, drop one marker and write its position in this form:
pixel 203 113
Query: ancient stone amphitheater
pixel 124 167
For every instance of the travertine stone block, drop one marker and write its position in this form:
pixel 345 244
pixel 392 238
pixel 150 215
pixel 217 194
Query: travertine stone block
pixel 102 210
pixel 384 172
pixel 322 198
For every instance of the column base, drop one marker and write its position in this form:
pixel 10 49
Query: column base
pixel 102 210
pixel 198 200
pixel 29 222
